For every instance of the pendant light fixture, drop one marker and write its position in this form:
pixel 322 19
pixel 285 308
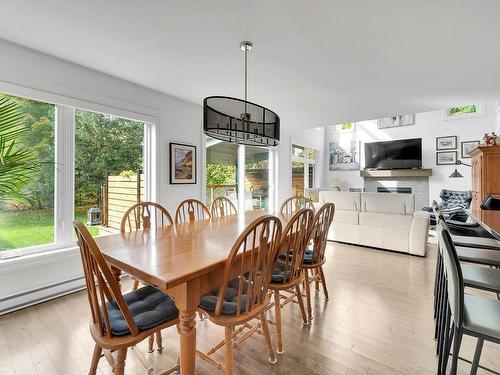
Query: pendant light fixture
pixel 235 120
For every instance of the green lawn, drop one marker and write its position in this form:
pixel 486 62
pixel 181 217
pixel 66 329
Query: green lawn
pixel 32 227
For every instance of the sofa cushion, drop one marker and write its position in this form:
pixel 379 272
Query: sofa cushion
pixel 346 216
pixel 403 204
pixel 342 200
pixel 380 220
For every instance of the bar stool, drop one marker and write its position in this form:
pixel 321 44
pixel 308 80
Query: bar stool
pixel 475 277
pixel 469 315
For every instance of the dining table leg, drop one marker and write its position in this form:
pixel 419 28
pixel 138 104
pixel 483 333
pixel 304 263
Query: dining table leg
pixel 187 298
pixel 116 272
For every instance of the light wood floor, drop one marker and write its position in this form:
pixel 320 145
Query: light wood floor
pixel 378 321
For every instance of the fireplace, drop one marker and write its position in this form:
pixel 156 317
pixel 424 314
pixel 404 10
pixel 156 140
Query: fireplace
pixel 396 189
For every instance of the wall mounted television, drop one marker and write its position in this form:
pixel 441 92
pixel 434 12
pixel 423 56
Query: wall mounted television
pixel 398 154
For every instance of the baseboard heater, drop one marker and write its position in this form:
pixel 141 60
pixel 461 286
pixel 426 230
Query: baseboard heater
pixel 41 294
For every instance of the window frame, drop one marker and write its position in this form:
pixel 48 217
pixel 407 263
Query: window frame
pixel 306 161
pixel 240 174
pixel 64 159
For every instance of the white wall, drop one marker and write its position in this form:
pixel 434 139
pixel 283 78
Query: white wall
pixel 428 126
pixel 23 71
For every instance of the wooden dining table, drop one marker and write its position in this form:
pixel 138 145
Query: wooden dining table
pixel 184 260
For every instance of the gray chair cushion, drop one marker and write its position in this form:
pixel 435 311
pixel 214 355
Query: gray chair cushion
pixel 279 273
pixel 478 256
pixel 481 277
pixel 481 315
pixel 477 242
pixel 149 308
pixel 230 304
pixel 308 257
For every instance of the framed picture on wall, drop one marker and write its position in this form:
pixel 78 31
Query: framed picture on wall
pixel 395 121
pixel 467 147
pixel 182 164
pixel 446 157
pixel 446 143
pixel 343 156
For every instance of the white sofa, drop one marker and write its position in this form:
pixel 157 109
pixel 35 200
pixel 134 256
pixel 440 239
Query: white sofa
pixel 382 220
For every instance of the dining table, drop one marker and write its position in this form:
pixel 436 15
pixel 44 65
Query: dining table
pixel 184 260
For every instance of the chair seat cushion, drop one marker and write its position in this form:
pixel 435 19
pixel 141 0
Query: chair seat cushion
pixel 279 274
pixel 481 277
pixel 481 315
pixel 309 256
pixel 149 307
pixel 230 304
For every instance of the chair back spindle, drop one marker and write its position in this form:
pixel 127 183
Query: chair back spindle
pixel 319 231
pixel 222 206
pixel 145 215
pixel 294 204
pixel 252 260
pixel 101 285
pixel 191 210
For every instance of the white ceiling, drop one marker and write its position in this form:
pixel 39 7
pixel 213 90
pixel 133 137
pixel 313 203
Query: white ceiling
pixel 314 62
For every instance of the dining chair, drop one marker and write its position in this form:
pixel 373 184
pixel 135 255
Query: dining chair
pixel 120 321
pixel 288 272
pixel 314 257
pixel 191 210
pixel 243 294
pixel 145 215
pixel 469 315
pixel 293 204
pixel 222 206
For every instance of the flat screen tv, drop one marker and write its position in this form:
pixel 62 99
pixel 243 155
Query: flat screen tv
pixel 400 154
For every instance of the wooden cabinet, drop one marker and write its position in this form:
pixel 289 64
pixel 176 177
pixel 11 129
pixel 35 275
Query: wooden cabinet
pixel 486 181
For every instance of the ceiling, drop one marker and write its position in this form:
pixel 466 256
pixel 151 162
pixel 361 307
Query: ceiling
pixel 314 62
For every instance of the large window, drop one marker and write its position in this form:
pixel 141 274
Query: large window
pixel 84 165
pixel 28 218
pixel 240 173
pixel 108 169
pixel 303 169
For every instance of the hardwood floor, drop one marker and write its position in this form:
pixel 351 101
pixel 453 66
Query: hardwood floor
pixel 378 321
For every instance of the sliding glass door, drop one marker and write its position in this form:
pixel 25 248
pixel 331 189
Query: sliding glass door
pixel 241 173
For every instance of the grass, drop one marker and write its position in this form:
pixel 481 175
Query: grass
pixel 25 228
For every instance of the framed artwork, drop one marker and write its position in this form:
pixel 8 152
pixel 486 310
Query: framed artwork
pixel 346 127
pixel 467 147
pixel 395 121
pixel 343 156
pixel 182 164
pixel 446 143
pixel 446 157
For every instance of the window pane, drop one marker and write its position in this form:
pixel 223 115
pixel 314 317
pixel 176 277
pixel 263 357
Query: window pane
pixel 298 151
pixel 221 170
pixel 298 178
pixel 310 153
pixel 256 178
pixel 27 218
pixel 466 109
pixel 108 169
pixel 311 176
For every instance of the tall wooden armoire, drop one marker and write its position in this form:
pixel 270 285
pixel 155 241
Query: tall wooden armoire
pixel 486 181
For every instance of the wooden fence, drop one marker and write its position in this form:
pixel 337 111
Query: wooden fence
pixel 119 194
